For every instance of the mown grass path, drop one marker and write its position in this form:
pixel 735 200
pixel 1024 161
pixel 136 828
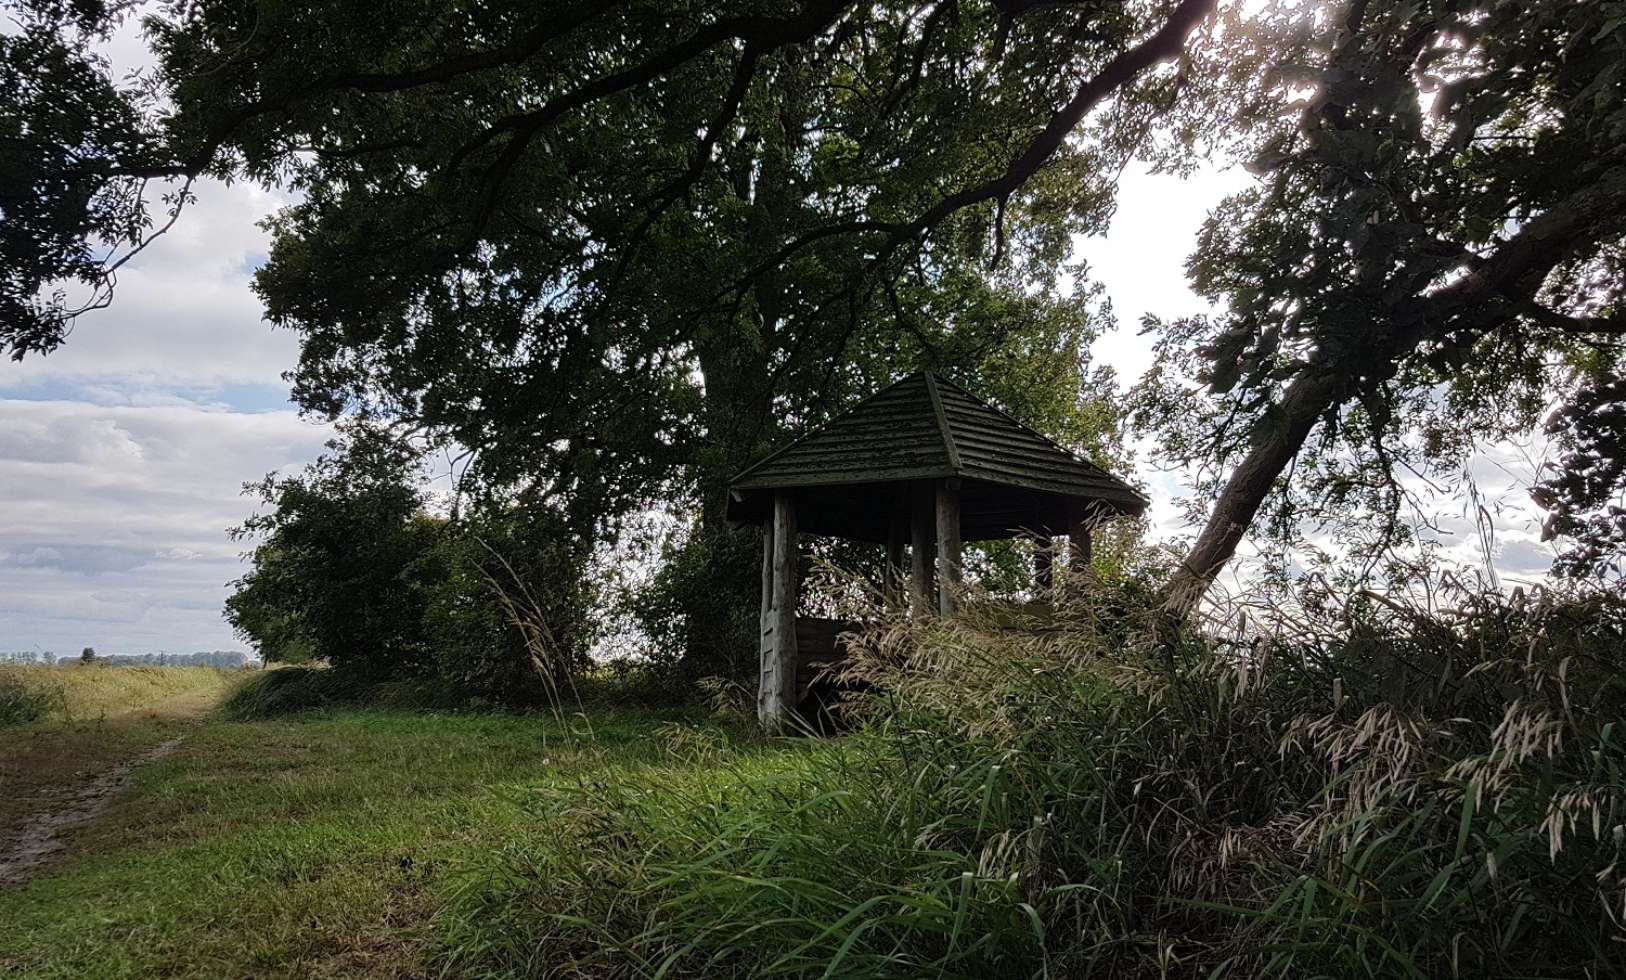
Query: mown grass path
pixel 59 772
pixel 316 846
pixel 28 846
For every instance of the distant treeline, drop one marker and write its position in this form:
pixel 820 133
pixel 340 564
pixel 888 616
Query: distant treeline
pixel 208 658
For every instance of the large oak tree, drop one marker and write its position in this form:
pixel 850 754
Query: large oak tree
pixel 616 249
pixel 612 245
pixel 502 197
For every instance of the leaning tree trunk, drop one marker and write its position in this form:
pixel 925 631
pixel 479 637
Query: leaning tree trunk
pixel 1494 294
pixel 1305 401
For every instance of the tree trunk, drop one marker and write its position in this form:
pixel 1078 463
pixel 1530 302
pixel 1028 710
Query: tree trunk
pixel 1306 400
pixel 1488 297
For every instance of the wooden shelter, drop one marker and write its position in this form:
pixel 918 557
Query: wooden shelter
pixel 924 462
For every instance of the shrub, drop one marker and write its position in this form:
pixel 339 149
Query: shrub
pixel 507 606
pixel 331 571
pixel 700 610
pixel 24 698
pixel 289 690
pixel 350 569
pixel 1355 788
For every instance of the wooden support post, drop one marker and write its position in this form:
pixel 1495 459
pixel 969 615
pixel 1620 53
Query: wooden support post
pixel 766 683
pixel 776 697
pixel 1044 577
pixel 892 575
pixel 920 545
pixel 948 546
pixel 1079 554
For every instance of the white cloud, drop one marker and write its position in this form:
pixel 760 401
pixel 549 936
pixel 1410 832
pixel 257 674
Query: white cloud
pixel 1140 263
pixel 182 314
pixel 1141 260
pixel 123 454
pixel 65 440
pixel 114 534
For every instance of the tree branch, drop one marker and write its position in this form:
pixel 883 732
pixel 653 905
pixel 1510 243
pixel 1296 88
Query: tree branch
pixel 1515 270
pixel 1496 287
pixel 1168 42
pixel 744 72
pixel 555 27
pixel 760 33
pixel 1614 326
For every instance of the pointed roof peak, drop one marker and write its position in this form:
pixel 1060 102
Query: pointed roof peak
pixel 925 426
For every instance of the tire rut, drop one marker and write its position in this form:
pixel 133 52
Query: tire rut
pixel 26 852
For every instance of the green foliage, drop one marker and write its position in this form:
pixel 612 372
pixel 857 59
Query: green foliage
pixel 349 570
pixel 717 225
pixel 700 612
pixel 290 690
pixel 1586 491
pixel 57 98
pixel 526 553
pixel 1352 790
pixel 26 697
pixel 1402 148
pixel 332 574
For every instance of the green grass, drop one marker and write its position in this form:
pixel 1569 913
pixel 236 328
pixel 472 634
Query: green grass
pixel 1040 804
pixel 65 722
pixel 830 858
pixel 23 699
pixel 1058 803
pixel 288 690
pixel 318 845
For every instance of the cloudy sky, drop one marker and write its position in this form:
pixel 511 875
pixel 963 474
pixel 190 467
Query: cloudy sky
pixel 123 455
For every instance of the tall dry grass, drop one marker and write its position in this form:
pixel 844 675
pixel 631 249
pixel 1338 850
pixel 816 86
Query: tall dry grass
pixel 31 692
pixel 1333 786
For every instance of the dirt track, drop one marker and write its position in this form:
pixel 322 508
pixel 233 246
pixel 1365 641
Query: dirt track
pixel 59 778
pixel 28 848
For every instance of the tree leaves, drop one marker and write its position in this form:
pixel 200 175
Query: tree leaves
pixel 1432 175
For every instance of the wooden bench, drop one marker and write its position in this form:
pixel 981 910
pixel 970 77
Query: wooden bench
pixel 819 650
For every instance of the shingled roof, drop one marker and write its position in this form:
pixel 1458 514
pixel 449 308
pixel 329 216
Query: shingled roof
pixel 926 427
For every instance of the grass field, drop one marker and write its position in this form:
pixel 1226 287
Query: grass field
pixel 94 718
pixel 316 846
pixel 81 694
pixel 1019 810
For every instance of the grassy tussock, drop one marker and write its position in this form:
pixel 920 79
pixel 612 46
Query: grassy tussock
pixel 30 696
pixel 36 693
pixel 290 690
pixel 1359 788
